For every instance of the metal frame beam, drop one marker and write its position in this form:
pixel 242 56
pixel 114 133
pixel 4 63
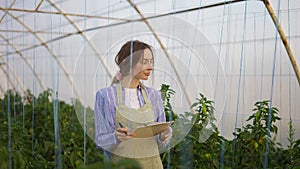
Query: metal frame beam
pixel 39 5
pixel 39 32
pixel 16 76
pixel 85 38
pixel 26 61
pixel 13 2
pixel 7 76
pixel 135 20
pixel 50 51
pixel 62 13
pixel 283 38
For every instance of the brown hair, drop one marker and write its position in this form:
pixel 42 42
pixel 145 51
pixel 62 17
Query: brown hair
pixel 133 50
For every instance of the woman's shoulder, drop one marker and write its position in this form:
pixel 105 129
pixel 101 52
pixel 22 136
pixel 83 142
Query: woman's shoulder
pixel 106 91
pixel 150 88
pixel 152 91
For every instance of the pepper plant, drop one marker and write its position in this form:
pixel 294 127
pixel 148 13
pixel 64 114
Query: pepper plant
pixel 248 148
pixel 194 150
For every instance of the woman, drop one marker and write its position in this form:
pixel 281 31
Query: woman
pixel 127 102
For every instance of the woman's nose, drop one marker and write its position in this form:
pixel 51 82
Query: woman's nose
pixel 150 66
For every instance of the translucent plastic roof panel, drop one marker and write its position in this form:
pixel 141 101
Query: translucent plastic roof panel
pixel 45 40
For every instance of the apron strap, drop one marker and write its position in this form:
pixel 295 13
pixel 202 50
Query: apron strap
pixel 147 101
pixel 119 94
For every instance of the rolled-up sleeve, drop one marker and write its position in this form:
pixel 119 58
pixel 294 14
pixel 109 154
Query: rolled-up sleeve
pixel 159 107
pixel 159 111
pixel 104 126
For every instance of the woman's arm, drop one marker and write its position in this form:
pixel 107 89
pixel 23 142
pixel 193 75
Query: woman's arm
pixel 105 135
pixel 159 110
pixel 165 136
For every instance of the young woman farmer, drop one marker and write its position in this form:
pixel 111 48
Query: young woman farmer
pixel 127 104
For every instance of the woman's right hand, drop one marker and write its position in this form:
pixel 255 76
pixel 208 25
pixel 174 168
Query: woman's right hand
pixel 122 134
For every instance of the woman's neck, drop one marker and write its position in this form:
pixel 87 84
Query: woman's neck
pixel 128 82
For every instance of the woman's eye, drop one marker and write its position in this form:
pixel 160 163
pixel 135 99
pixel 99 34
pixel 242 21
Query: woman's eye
pixel 146 62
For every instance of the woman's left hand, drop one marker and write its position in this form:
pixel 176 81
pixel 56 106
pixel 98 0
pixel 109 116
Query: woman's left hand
pixel 166 135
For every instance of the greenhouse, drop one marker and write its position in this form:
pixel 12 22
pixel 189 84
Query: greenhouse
pixel 150 84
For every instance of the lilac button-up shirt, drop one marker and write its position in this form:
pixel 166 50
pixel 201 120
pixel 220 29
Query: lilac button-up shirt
pixel 105 108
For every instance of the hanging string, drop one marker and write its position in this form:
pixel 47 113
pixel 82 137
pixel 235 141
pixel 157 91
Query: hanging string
pixel 239 83
pixel 220 49
pixel 33 86
pixel 23 96
pixel 153 39
pixel 130 63
pixel 106 153
pixel 13 65
pixel 84 88
pixel 58 160
pixel 8 100
pixel 44 72
pixel 224 113
pixel 243 90
pixel 262 55
pixel 108 40
pixel 191 51
pixel 255 55
pixel 182 54
pixel 272 87
pixel 295 86
pixel 289 33
pixel 53 84
pixel 170 107
pixel 280 90
pixel 73 100
pixel 181 51
pixel 172 32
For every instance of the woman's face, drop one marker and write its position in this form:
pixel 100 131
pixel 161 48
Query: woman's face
pixel 144 66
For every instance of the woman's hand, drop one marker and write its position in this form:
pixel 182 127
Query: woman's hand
pixel 122 134
pixel 166 135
